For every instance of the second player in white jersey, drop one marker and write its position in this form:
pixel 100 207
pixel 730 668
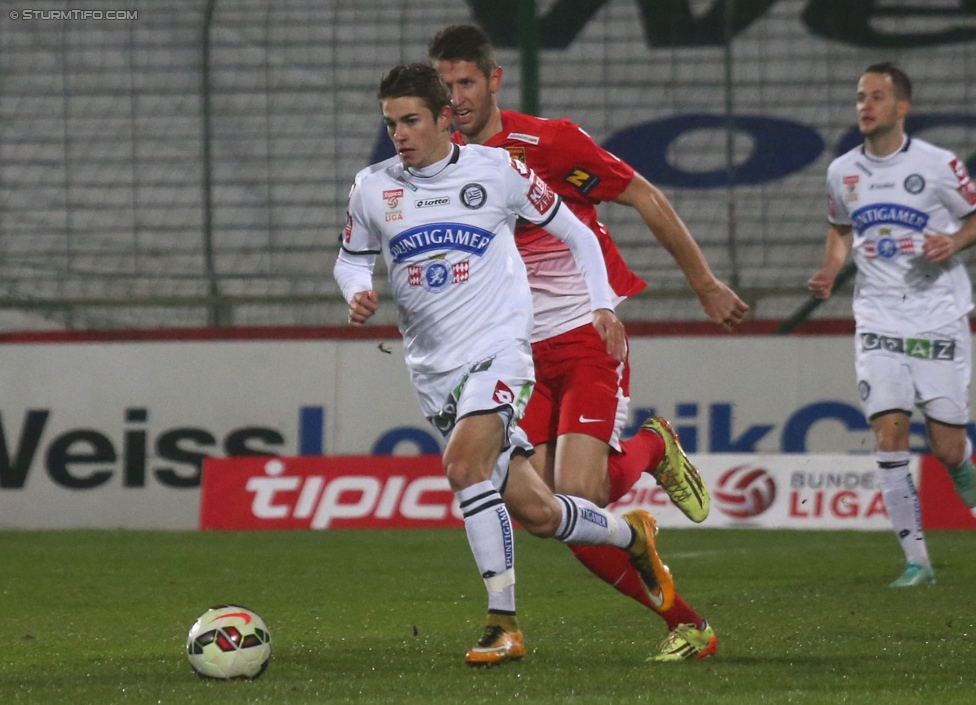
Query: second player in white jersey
pixel 904 208
pixel 891 204
pixel 449 246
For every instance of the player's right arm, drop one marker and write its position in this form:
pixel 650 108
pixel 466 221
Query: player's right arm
pixel 353 270
pixel 719 302
pixel 840 240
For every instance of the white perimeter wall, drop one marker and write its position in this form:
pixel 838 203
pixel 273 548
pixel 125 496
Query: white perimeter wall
pixel 110 434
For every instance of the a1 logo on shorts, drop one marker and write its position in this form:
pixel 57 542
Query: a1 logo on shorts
pixel 503 395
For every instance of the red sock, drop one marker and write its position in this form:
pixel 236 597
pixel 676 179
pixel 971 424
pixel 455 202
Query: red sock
pixel 645 450
pixel 612 566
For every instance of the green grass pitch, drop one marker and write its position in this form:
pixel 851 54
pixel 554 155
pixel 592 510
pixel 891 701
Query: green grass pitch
pixel 385 617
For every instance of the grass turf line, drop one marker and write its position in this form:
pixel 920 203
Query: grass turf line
pixel 385 617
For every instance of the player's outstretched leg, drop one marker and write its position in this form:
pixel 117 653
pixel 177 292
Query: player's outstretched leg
pixel 687 641
pixel 644 557
pixel 500 643
pixel 677 475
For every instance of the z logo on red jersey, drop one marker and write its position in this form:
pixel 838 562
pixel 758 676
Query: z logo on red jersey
pixel 582 180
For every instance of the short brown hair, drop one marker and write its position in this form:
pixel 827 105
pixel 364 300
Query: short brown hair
pixel 464 42
pixel 416 81
pixel 899 79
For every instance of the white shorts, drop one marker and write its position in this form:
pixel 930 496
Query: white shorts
pixel 930 370
pixel 500 383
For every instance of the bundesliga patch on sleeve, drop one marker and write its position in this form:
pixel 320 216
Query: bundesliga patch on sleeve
pixel 582 180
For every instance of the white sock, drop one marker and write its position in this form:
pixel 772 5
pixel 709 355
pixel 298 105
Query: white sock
pixel 489 530
pixel 585 523
pixel 902 504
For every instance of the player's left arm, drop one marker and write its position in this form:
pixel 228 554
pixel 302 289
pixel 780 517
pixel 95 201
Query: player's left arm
pixel 718 301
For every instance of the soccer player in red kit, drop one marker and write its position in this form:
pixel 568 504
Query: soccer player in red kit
pixel 578 409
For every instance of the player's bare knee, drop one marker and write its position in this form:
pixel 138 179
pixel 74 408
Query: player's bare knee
pixel 950 456
pixel 462 473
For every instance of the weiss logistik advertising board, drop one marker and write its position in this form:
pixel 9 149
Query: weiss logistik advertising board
pixel 146 434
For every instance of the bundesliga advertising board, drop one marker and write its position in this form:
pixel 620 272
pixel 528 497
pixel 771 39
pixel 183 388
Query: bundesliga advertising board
pixel 323 434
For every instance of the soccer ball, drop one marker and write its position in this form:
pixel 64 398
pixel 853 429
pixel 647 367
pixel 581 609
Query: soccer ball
pixel 229 641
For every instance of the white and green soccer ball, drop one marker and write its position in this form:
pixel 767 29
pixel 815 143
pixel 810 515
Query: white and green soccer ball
pixel 229 642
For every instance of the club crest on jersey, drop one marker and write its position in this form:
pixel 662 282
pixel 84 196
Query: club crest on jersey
pixel 347 233
pixel 473 196
pixel 850 188
pixel 440 236
pixel 516 153
pixel 914 183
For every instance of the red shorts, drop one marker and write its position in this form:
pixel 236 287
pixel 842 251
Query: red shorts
pixel 579 388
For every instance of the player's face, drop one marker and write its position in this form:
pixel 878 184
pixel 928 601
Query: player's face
pixel 420 138
pixel 472 96
pixel 878 109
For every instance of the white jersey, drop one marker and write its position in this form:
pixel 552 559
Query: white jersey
pixel 891 204
pixel 448 241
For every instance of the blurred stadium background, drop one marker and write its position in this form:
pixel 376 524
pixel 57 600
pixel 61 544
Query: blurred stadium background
pixel 189 166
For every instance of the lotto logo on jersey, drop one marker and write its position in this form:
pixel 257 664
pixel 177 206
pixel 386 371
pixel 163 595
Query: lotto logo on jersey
pixel 541 196
pixel 503 395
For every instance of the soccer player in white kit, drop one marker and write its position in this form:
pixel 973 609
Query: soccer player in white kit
pixel 443 218
pixel 905 208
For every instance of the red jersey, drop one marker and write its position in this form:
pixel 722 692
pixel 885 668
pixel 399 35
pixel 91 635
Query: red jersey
pixel 583 174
